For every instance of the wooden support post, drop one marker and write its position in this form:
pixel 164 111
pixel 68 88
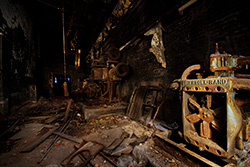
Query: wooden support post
pixel 111 91
pixel 67 111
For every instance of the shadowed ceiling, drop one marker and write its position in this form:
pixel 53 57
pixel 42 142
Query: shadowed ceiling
pixel 83 21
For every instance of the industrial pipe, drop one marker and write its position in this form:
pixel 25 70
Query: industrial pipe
pixel 185 6
pixel 120 70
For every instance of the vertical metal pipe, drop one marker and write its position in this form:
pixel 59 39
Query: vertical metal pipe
pixel 64 52
pixel 65 86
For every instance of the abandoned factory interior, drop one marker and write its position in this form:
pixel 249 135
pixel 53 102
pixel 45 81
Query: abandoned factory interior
pixel 124 83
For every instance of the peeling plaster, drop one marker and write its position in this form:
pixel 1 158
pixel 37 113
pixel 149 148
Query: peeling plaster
pixel 157 44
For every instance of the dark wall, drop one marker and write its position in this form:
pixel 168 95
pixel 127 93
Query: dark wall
pixel 19 45
pixel 189 39
pixel 50 28
pixel 143 67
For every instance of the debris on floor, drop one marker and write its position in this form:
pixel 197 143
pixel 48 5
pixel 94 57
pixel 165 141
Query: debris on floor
pixel 55 132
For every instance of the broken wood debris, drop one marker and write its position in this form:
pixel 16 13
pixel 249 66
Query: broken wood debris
pixel 68 137
pixel 143 103
pixel 53 118
pixel 30 146
pixel 67 111
pixel 114 135
pixel 55 139
pixel 93 148
pixel 81 155
pixel 40 117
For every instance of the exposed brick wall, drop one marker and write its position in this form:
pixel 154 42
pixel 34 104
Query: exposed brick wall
pixel 190 39
pixel 143 65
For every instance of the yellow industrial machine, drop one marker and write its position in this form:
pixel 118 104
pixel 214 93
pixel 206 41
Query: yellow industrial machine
pixel 211 118
pixel 212 121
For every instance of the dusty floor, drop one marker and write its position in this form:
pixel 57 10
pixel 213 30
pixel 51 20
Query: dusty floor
pixel 122 141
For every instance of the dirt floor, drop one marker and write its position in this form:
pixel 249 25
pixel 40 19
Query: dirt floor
pixel 48 132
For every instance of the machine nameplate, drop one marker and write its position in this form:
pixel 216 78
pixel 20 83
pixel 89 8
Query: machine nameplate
pixel 205 82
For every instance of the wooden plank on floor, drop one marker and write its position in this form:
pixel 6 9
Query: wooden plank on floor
pixel 30 146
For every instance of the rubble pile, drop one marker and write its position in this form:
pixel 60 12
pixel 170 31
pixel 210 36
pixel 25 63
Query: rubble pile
pixel 54 132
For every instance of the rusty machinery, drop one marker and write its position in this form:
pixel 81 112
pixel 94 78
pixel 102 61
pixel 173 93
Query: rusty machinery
pixel 108 71
pixel 212 121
